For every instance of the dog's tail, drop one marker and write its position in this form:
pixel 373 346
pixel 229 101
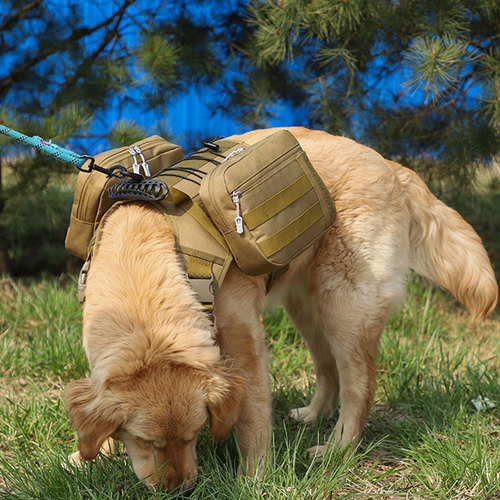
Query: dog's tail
pixel 445 249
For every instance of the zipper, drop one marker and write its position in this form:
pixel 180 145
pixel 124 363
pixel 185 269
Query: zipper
pixel 269 171
pixel 238 220
pixel 233 153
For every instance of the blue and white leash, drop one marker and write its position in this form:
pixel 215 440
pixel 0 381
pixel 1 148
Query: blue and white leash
pixel 48 148
pixel 66 155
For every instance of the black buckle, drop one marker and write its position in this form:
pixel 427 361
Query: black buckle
pixel 120 172
pixel 211 145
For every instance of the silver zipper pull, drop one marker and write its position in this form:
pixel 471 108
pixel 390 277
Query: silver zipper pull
pixel 136 168
pixel 233 153
pixel 144 165
pixel 238 219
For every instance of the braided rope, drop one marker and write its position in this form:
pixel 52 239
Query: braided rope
pixel 48 148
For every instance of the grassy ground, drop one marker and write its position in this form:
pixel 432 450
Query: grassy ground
pixel 424 438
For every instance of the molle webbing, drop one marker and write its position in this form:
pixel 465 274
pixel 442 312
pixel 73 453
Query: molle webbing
pixel 279 240
pixel 185 177
pixel 202 247
pixel 278 202
pixel 268 202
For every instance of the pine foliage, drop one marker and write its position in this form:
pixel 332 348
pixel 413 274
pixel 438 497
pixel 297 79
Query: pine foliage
pixel 419 80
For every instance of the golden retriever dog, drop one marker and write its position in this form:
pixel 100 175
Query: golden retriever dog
pixel 160 371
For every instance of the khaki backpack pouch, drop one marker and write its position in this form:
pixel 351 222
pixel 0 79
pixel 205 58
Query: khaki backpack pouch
pixel 283 203
pixel 91 200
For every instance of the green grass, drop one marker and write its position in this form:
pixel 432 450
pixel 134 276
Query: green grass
pixel 423 438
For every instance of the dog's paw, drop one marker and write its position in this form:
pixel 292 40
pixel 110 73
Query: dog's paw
pixel 316 452
pixel 305 414
pixel 73 461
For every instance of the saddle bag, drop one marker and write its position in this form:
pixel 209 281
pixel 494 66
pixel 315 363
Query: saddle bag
pixel 91 200
pixel 268 202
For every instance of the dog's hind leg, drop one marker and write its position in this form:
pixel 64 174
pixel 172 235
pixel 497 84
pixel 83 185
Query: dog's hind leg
pixel 356 353
pixel 300 311
pixel 341 313
pixel 352 331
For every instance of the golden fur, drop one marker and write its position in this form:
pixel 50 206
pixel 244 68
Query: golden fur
pixel 159 370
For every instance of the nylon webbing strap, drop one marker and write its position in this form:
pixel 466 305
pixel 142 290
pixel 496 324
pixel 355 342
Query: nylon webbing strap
pixel 202 256
pixel 277 203
pixel 197 213
pixel 291 231
pixel 91 250
pixel 175 196
pixel 198 268
pixel 180 199
pixel 203 249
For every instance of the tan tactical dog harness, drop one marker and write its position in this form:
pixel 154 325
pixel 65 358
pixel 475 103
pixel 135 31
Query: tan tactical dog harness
pixel 261 205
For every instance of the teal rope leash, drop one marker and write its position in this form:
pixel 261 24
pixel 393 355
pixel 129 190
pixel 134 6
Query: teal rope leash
pixel 48 148
pixel 66 155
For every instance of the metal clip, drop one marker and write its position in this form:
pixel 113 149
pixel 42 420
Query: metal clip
pixel 91 164
pixel 135 166
pixel 82 281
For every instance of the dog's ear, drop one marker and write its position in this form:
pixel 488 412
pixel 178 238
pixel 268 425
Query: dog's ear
pixel 93 412
pixel 225 397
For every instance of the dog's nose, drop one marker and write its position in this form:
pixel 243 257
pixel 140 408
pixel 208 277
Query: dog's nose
pixel 179 492
pixel 185 493
pixel 177 484
pixel 182 487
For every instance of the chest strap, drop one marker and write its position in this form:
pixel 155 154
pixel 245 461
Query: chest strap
pixel 205 254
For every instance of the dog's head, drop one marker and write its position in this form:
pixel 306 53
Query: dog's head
pixel 158 414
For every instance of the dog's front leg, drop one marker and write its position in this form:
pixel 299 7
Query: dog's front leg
pixel 242 338
pixel 109 448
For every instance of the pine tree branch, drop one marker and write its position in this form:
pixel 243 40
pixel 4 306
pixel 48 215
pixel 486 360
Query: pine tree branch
pixel 429 109
pixel 479 44
pixel 89 136
pixel 20 14
pixel 70 81
pixel 460 94
pixel 16 73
